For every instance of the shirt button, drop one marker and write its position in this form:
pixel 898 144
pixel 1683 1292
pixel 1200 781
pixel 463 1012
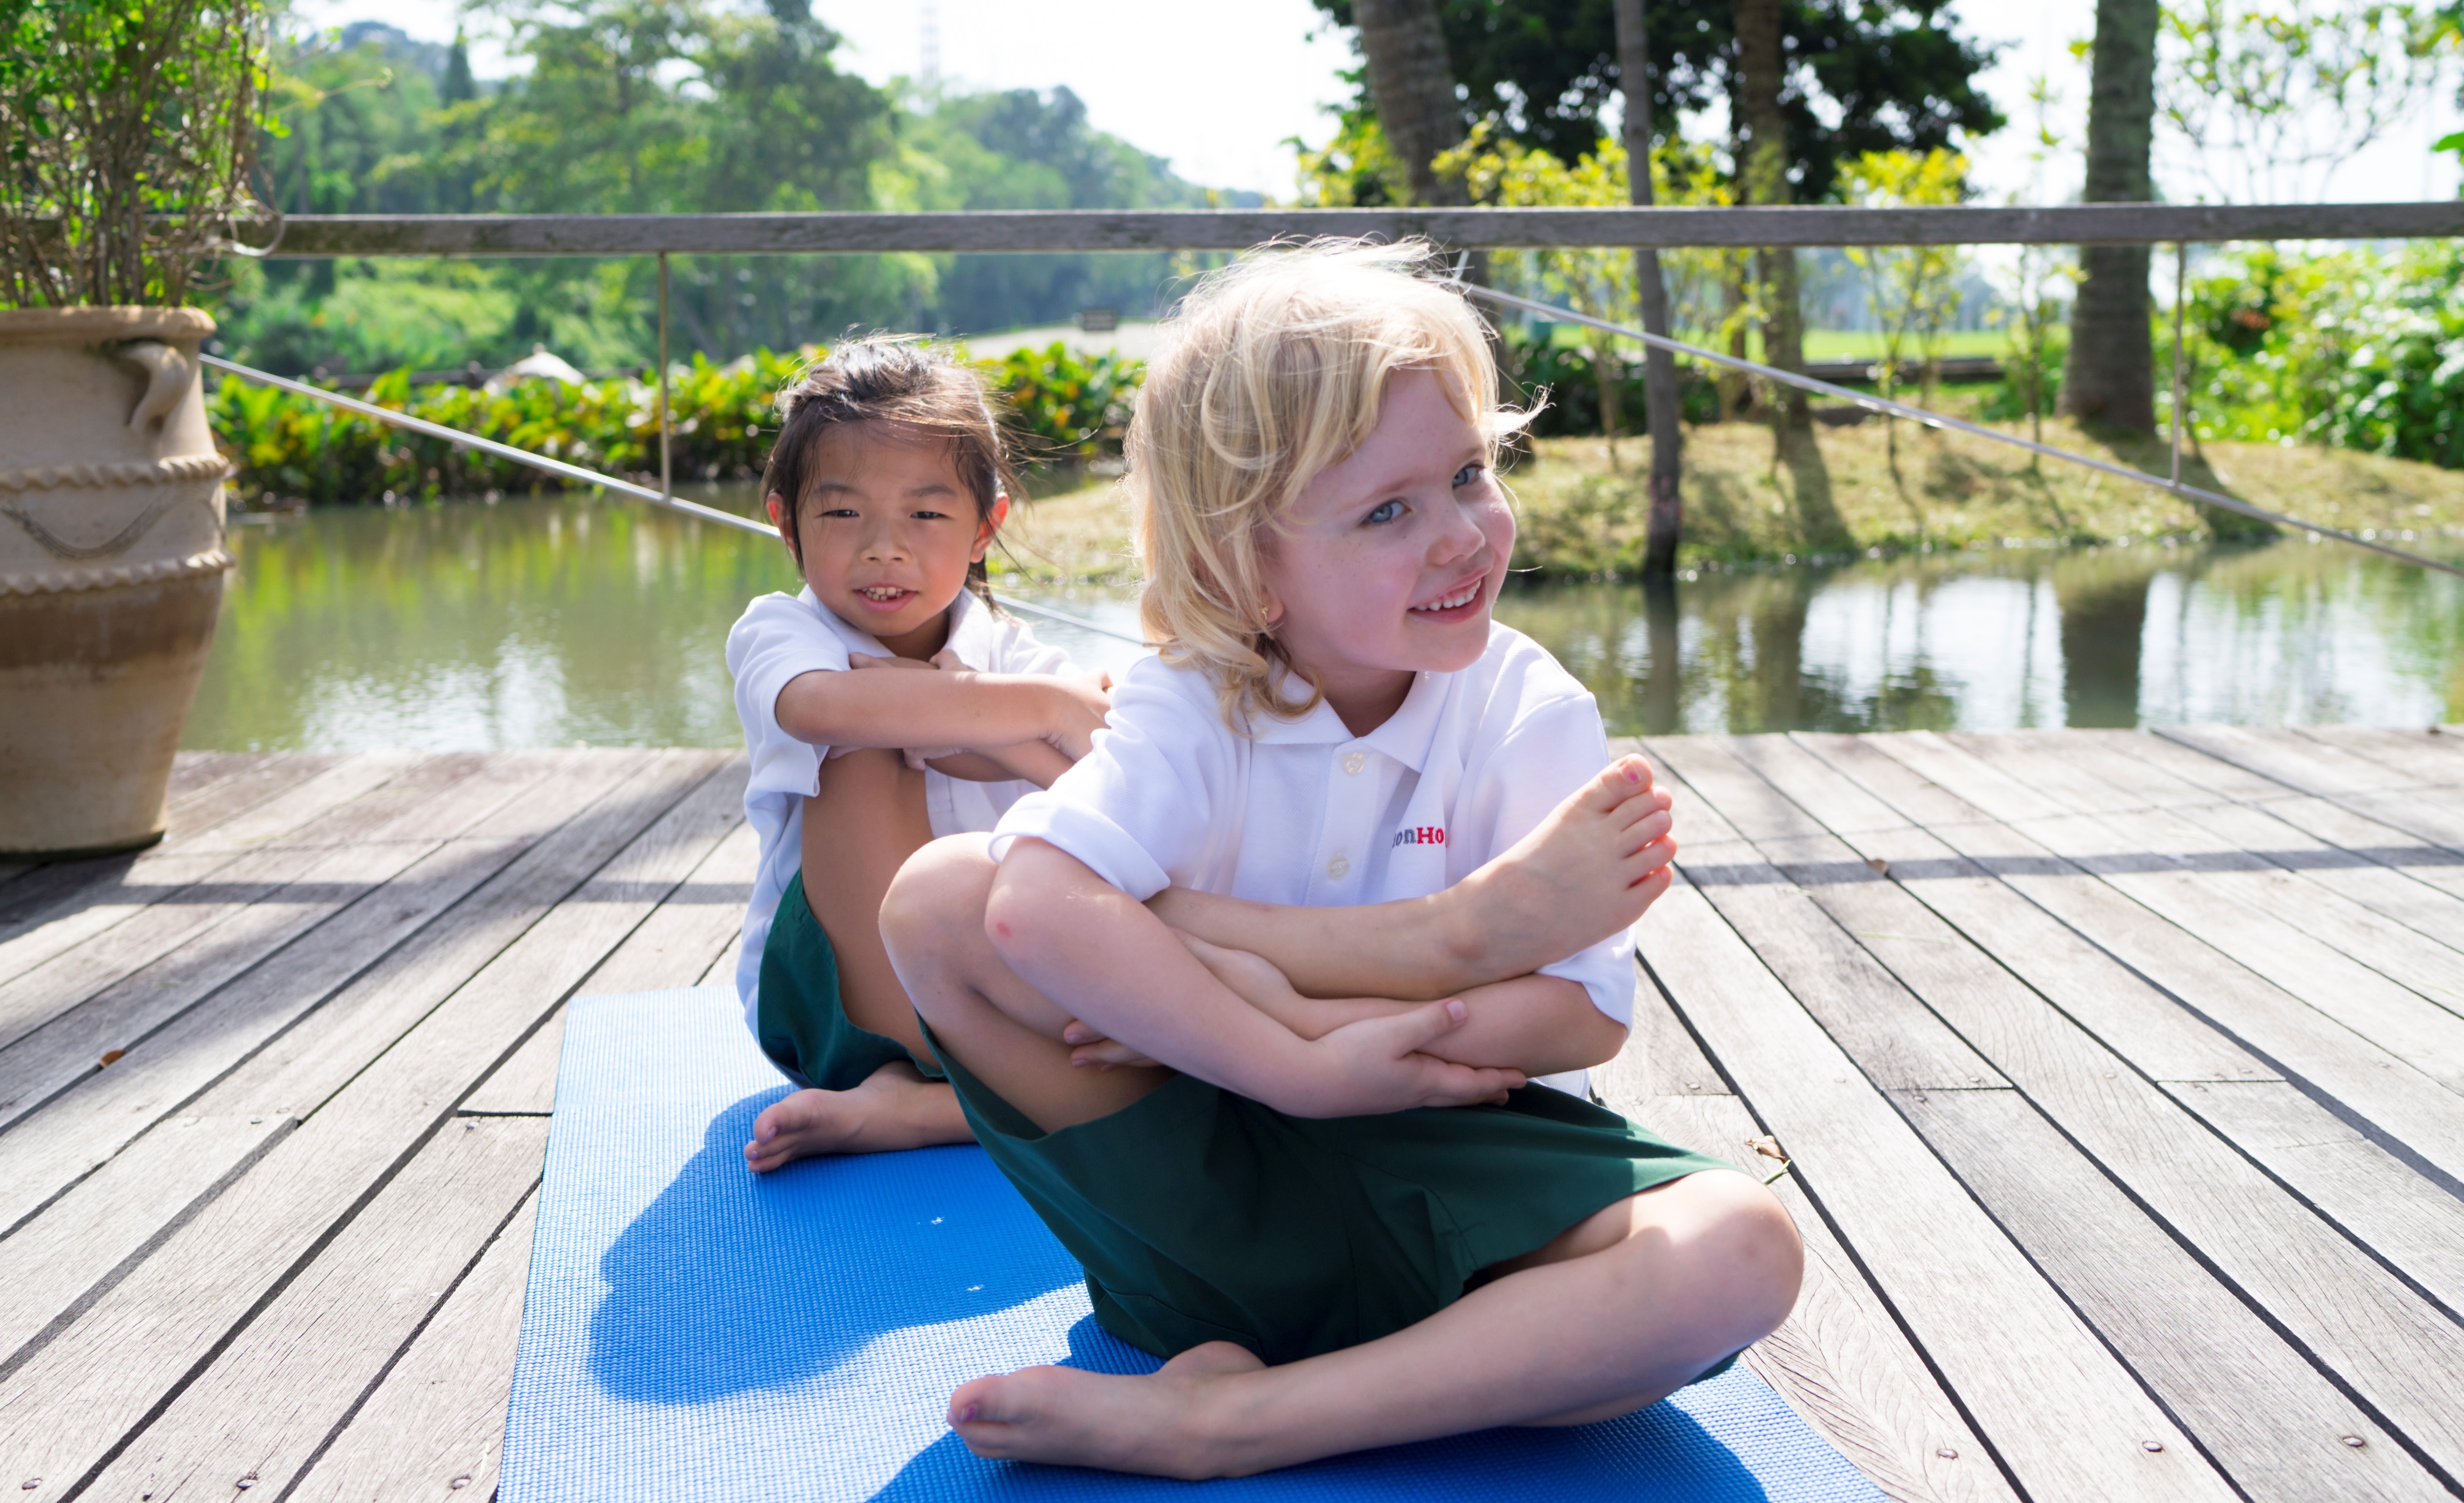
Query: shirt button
pixel 1337 868
pixel 1354 761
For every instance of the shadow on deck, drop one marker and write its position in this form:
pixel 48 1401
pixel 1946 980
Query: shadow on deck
pixel 2120 1074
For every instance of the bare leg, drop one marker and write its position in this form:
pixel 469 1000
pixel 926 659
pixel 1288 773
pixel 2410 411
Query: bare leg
pixel 865 818
pixel 895 1108
pixel 1002 1030
pixel 1588 871
pixel 1612 1315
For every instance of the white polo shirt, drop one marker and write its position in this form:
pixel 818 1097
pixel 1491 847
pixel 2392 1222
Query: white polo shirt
pixel 1304 812
pixel 780 636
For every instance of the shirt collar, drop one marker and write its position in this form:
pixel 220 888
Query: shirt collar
pixel 971 629
pixel 1406 735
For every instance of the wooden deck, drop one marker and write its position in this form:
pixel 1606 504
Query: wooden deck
pixel 2123 1074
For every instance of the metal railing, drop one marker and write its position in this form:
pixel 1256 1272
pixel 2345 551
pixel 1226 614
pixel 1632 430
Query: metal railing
pixel 995 232
pixel 1003 231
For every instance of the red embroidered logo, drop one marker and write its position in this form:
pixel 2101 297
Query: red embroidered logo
pixel 1422 835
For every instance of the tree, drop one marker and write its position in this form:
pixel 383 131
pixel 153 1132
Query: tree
pixel 1762 173
pixel 1666 526
pixel 1868 74
pixel 2110 375
pixel 1834 78
pixel 1405 53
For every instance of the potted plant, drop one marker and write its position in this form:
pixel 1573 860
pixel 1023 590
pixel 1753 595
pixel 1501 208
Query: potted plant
pixel 128 136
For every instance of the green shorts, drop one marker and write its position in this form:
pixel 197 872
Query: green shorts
pixel 799 1019
pixel 1203 1216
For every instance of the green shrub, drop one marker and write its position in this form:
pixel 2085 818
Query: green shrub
pixel 2355 349
pixel 1065 405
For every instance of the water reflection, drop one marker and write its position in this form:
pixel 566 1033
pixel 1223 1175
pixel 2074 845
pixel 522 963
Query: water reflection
pixel 546 622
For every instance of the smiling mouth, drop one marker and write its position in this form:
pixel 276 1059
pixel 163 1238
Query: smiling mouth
pixel 1455 602
pixel 883 594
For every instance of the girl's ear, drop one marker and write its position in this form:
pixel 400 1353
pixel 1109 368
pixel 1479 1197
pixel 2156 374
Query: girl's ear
pixel 783 520
pixel 990 528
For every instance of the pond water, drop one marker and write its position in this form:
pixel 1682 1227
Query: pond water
pixel 564 620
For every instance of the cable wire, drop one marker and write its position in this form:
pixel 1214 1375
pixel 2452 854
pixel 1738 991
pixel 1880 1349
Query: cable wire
pixel 1938 420
pixel 589 476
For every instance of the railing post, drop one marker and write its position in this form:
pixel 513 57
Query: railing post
pixel 2181 288
pixel 667 475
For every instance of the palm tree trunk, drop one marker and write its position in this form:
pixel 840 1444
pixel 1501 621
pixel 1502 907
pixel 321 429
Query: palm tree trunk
pixel 1413 86
pixel 2110 373
pixel 1765 160
pixel 1667 525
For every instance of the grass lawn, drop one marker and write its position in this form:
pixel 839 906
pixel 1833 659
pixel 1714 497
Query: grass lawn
pixel 1840 490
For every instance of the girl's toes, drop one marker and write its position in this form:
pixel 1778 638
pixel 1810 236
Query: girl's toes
pixel 1617 782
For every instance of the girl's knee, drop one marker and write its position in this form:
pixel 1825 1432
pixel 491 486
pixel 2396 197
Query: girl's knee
pixel 938 894
pixel 1753 1241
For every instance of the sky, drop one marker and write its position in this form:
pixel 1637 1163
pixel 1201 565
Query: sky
pixel 1220 89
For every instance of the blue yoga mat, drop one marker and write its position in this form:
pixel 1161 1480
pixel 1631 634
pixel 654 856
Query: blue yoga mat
pixel 694 1330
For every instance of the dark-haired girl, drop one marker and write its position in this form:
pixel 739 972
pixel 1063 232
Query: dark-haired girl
pixel 888 483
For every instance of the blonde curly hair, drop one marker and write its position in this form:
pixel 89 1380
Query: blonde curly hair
pixel 1271 370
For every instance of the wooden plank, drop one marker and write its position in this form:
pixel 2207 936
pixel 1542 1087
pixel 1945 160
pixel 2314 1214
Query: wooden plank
pixel 672 948
pixel 1659 1057
pixel 834 234
pixel 1880 1024
pixel 1840 1360
pixel 2340 828
pixel 2416 1226
pixel 111 930
pixel 2103 997
pixel 698 797
pixel 264 1404
pixel 2380 1201
pixel 51 890
pixel 2294 1038
pixel 2329 772
pixel 2430 759
pixel 67 1408
pixel 2229 911
pixel 2277 1428
pixel 723 970
pixel 83 1244
pixel 435 1425
pixel 2427 910
pixel 193 772
pixel 2298 761
pixel 2067 1421
pixel 2185 825
pixel 2333 1298
pixel 676 943
pixel 372 841
pixel 2188 764
pixel 518 861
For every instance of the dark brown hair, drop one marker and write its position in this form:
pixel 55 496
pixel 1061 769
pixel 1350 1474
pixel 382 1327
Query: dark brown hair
pixel 897 380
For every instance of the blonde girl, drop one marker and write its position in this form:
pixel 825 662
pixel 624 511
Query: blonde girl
pixel 888 483
pixel 1246 1004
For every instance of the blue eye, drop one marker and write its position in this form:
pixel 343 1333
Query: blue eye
pixel 1385 512
pixel 1467 474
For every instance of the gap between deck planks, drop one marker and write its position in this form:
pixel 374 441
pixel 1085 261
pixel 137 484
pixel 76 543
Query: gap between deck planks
pixel 1847 1359
pixel 2277 1425
pixel 69 1406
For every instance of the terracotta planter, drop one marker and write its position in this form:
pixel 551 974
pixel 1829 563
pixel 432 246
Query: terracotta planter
pixel 111 569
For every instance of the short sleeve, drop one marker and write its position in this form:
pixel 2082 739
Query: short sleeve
pixel 1137 809
pixel 778 638
pixel 1553 749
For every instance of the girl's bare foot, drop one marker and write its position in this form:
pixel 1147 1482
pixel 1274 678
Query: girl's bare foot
pixel 1588 872
pixel 1064 1417
pixel 895 1108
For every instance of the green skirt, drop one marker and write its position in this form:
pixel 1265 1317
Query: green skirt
pixel 1203 1216
pixel 799 1019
